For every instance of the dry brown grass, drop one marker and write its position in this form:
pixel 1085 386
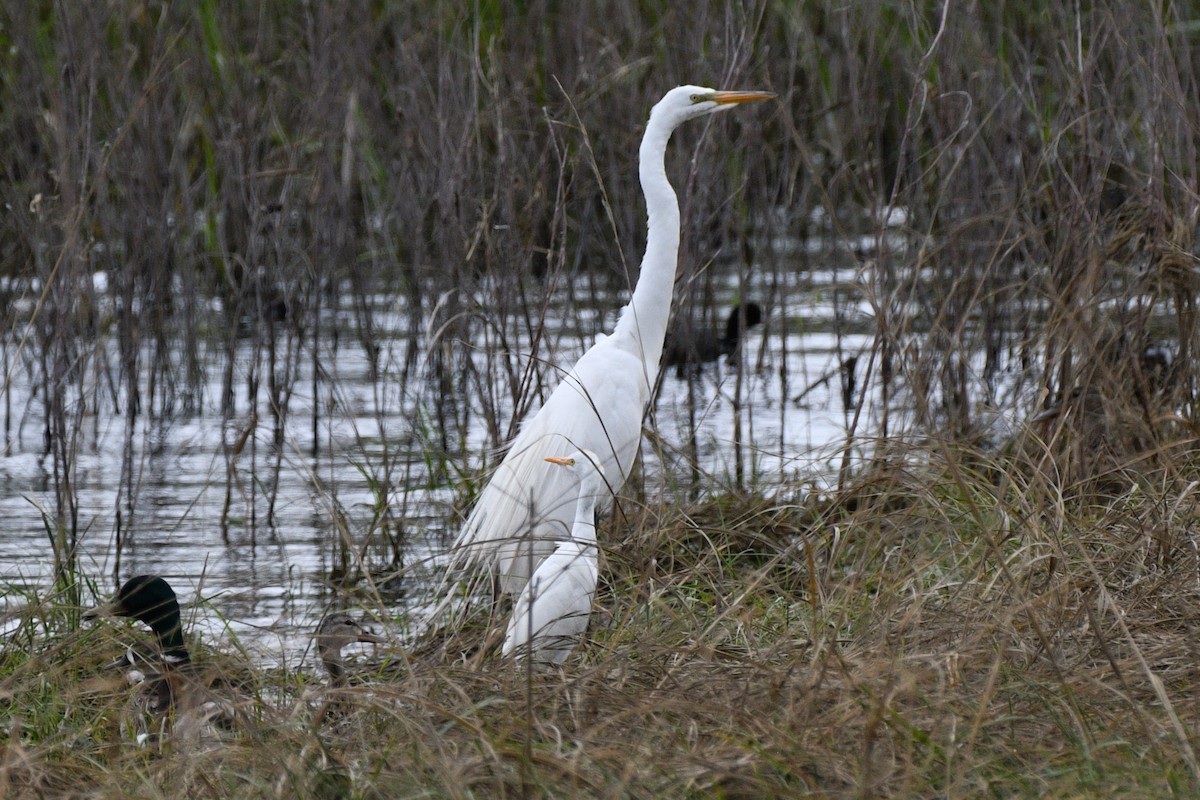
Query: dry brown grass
pixel 929 632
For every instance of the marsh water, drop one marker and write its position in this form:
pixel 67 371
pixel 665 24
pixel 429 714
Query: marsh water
pixel 256 537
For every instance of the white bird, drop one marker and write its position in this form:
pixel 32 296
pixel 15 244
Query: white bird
pixel 553 609
pixel 600 403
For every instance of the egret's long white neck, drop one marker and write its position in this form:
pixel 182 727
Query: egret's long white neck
pixel 643 323
pixel 583 530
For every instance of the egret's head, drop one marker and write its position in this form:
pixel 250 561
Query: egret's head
pixel 580 460
pixel 688 102
pixel 587 467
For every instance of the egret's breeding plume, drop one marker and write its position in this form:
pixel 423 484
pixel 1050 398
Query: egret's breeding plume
pixel 553 609
pixel 599 404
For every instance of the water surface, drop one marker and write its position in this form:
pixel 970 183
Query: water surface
pixel 265 575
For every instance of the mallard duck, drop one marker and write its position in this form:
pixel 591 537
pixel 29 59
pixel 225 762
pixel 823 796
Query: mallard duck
pixel 334 633
pixel 174 697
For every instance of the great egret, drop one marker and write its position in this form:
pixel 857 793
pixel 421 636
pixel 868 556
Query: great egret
pixel 600 403
pixel 334 633
pixel 552 610
pixel 693 345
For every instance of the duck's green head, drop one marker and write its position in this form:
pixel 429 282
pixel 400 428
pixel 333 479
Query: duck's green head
pixel 151 600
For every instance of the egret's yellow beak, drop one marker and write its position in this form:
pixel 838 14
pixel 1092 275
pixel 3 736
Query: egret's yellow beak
pixel 727 98
pixel 562 461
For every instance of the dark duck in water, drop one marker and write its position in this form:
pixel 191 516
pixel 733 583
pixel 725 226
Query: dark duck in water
pixel 691 345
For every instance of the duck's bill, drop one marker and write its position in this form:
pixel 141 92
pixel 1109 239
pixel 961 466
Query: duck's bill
pixel 110 609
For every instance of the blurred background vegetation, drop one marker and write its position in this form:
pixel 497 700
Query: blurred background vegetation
pixel 283 158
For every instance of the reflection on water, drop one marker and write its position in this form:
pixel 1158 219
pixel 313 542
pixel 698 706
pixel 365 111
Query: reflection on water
pixel 203 518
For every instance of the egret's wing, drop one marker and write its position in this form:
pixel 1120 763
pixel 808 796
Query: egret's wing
pixel 599 407
pixel 553 609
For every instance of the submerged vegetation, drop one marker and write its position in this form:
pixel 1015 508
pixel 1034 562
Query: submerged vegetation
pixel 965 607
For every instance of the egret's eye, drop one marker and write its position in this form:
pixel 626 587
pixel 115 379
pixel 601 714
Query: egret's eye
pixel 697 98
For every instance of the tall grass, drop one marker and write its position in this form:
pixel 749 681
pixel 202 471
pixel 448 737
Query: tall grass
pixel 924 634
pixel 286 165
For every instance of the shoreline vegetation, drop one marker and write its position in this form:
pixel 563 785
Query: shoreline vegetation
pixel 966 611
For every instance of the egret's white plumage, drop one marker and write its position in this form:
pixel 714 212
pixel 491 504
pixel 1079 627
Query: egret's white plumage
pixel 527 506
pixel 553 609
